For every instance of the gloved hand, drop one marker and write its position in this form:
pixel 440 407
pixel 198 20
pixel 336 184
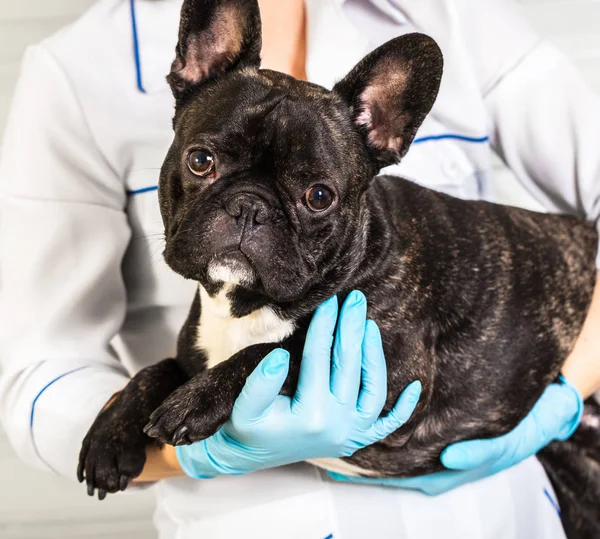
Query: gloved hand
pixel 554 417
pixel 331 414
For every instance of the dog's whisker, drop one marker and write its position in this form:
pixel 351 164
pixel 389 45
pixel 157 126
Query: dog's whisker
pixel 160 235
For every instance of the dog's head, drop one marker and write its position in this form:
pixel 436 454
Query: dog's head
pixel 264 185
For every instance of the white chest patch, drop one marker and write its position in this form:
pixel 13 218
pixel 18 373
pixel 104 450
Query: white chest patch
pixel 220 336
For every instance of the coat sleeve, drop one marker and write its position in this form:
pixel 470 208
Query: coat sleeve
pixel 544 119
pixel 63 235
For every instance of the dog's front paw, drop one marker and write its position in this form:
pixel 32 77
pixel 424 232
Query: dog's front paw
pixel 113 453
pixel 190 414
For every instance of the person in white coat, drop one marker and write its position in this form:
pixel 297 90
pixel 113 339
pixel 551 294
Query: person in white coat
pixel 83 282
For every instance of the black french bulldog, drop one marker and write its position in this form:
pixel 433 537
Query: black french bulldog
pixel 271 202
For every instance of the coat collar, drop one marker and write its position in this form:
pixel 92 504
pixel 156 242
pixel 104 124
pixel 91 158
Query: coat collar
pixel 154 31
pixel 153 44
pixel 389 7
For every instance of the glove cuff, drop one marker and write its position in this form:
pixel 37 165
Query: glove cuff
pixel 194 460
pixel 209 458
pixel 572 425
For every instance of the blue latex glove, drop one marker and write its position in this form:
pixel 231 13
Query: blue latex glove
pixel 331 415
pixel 554 417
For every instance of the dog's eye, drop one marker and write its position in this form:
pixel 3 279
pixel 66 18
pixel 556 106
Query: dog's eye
pixel 200 162
pixel 318 198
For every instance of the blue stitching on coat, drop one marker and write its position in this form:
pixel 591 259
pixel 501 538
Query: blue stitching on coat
pixel 136 48
pixel 46 387
pixel 553 502
pixel 35 447
pixel 143 190
pixel 463 138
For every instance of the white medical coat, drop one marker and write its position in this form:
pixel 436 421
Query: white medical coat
pixel 83 281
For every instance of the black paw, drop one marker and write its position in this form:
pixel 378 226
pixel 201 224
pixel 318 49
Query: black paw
pixel 113 453
pixel 190 414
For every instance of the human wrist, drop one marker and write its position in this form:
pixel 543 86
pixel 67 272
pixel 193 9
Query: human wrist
pixel 582 366
pixel 575 403
pixel 161 463
pixel 170 460
pixel 585 384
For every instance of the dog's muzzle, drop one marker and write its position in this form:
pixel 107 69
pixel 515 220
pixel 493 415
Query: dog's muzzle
pixel 249 209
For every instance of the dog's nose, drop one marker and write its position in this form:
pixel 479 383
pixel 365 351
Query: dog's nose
pixel 249 208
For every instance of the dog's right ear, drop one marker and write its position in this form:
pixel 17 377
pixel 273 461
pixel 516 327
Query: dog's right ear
pixel 215 36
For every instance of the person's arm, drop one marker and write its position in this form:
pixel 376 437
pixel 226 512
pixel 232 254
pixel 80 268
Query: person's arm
pixel 545 124
pixel 63 236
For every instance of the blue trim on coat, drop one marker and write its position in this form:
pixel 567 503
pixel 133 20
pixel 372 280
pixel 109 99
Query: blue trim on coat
pixel 553 502
pixel 136 48
pixel 31 418
pixel 46 387
pixel 463 138
pixel 143 190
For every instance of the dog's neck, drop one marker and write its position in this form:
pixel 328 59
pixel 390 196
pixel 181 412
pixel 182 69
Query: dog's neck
pixel 220 335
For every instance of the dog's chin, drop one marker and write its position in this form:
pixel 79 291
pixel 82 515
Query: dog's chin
pixel 232 268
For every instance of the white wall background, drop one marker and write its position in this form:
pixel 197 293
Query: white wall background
pixel 36 504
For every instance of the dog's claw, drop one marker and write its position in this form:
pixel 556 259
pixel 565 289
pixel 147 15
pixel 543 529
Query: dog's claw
pixel 107 466
pixel 80 476
pixel 151 430
pixel 181 436
pixel 123 482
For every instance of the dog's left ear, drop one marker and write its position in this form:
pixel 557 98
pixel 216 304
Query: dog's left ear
pixel 391 91
pixel 215 36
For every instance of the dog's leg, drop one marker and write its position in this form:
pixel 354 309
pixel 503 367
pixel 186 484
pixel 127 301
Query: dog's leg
pixel 199 408
pixel 114 450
